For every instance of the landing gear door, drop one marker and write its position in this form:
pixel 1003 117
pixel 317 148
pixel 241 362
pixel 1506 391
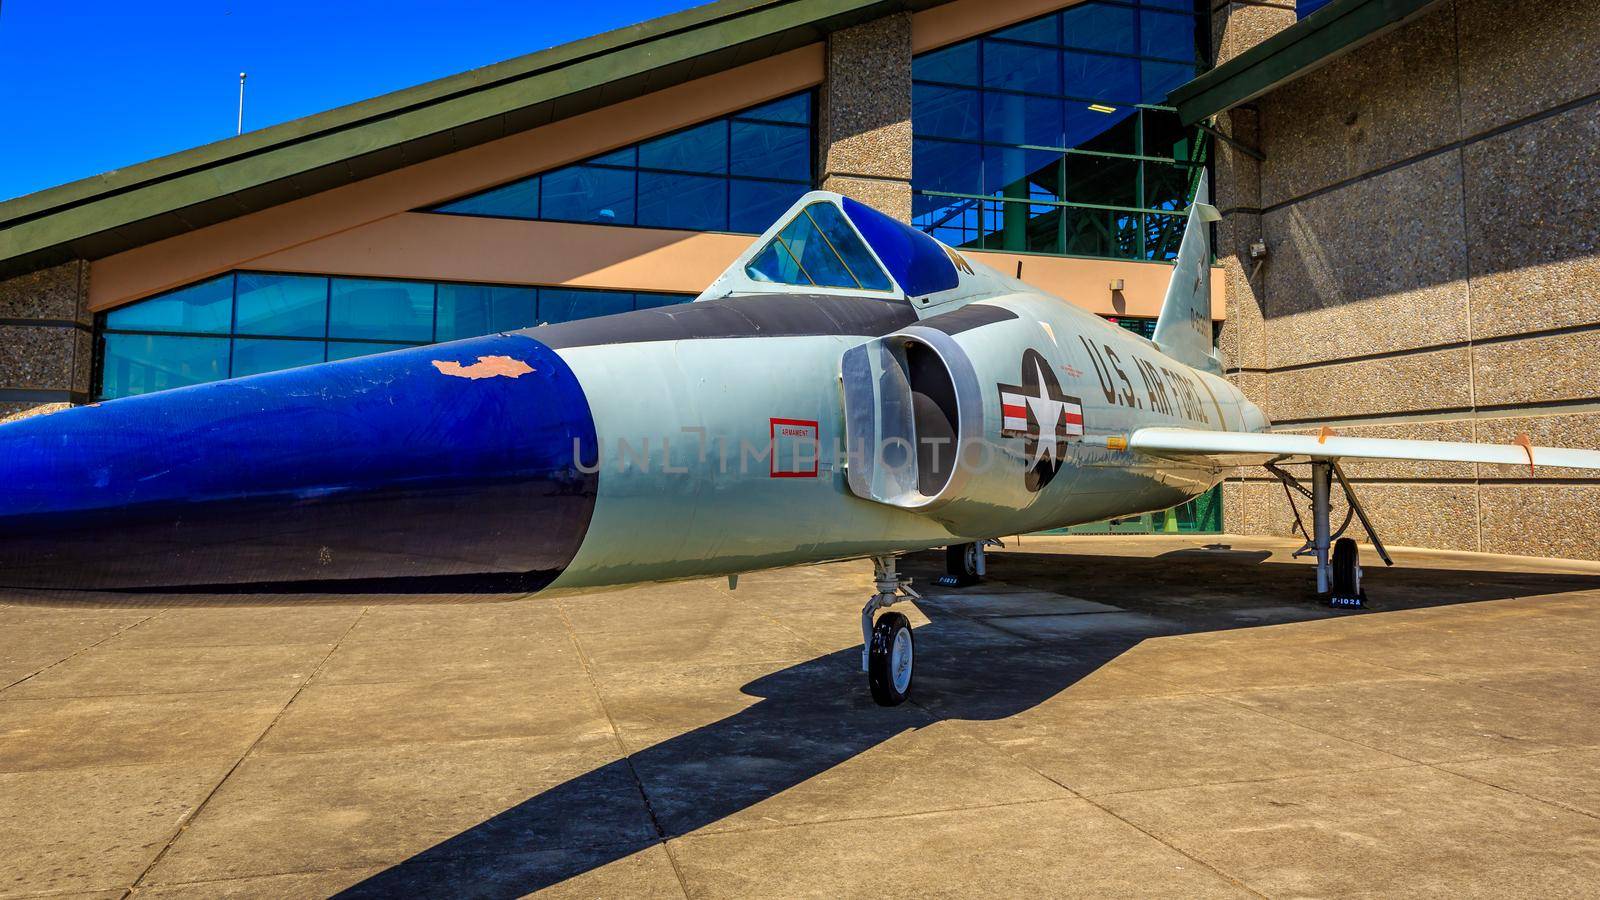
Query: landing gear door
pixel 880 427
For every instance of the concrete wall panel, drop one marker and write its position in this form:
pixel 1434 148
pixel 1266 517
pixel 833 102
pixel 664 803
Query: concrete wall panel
pixel 1437 380
pixel 1521 57
pixel 1387 101
pixel 1536 370
pixel 1541 520
pixel 1332 294
pixel 1533 224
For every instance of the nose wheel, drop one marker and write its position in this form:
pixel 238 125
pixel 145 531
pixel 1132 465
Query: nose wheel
pixel 890 657
pixel 888 651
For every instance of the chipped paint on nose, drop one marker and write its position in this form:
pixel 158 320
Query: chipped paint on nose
pixel 459 466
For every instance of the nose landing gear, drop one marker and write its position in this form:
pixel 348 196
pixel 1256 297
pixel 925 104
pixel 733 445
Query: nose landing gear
pixel 888 650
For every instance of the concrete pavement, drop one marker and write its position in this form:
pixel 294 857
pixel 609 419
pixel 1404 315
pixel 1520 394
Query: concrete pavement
pixel 1138 716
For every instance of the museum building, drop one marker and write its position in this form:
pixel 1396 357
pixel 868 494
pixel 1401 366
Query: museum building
pixel 1059 140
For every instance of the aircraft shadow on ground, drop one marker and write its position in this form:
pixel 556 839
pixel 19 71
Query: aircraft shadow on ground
pixel 816 715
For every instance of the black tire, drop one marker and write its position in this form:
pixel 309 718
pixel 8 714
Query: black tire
pixel 880 660
pixel 1345 559
pixel 961 562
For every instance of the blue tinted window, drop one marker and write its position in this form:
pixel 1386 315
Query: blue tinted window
pixel 947 166
pixel 1040 31
pixel 292 305
pixel 777 265
pixel 588 194
pixel 517 200
pixel 350 349
pixel 1052 95
pixel 1021 67
pixel 795 110
pixel 645 300
pixel 758 153
pixel 385 310
pixel 141 363
pixel 951 65
pixel 821 264
pixel 253 356
pixel 1022 119
pixel 939 111
pixel 205 308
pixel 754 205
pixel 469 310
pixel 1097 26
pixel 690 202
pixel 560 305
pixel 849 246
pixel 703 148
pixel 778 151
pixel 284 318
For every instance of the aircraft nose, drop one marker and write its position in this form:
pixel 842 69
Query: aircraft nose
pixel 459 466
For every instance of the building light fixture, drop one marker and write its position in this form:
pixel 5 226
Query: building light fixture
pixel 1102 108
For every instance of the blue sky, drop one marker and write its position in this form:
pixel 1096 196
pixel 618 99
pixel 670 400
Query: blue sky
pixel 91 85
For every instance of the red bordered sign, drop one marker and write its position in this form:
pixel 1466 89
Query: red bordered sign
pixel 796 445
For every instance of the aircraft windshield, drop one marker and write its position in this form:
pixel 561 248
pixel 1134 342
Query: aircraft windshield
pixel 818 247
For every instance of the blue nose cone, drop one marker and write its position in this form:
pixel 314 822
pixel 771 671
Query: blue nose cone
pixel 455 467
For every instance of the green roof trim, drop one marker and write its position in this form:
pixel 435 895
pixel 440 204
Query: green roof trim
pixel 150 201
pixel 1325 35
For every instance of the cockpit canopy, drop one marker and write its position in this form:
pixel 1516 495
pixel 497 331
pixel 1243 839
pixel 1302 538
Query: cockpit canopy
pixel 827 243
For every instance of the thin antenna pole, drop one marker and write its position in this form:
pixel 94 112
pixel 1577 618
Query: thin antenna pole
pixel 240 128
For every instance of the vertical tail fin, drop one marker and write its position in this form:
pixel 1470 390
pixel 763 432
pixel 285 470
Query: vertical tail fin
pixel 1183 331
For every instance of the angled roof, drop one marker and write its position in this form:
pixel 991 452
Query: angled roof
pixel 125 208
pixel 1325 35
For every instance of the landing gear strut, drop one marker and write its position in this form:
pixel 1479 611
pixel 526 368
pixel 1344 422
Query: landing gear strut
pixel 887 649
pixel 1338 572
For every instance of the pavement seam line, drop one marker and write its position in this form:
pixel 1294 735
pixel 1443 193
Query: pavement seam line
pixel 1512 791
pixel 621 745
pixel 74 654
pixel 187 820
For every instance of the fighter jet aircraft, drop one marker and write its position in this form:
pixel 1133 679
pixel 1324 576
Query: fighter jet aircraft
pixel 849 388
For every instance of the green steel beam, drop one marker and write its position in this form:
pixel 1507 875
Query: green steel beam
pixel 122 208
pixel 1321 37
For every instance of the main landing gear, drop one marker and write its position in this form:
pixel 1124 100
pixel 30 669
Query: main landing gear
pixel 1339 572
pixel 966 564
pixel 887 649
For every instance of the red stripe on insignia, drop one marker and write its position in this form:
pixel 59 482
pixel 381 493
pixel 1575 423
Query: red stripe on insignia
pixel 1074 418
pixel 1016 412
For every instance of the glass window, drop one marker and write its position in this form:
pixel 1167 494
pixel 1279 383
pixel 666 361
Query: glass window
pixel 1167 36
pixel 955 221
pixel 470 310
pixel 1022 119
pixel 951 65
pixel 1098 26
pixel 517 200
pixel 683 180
pixel 588 194
pixel 564 305
pixel 776 151
pixel 645 300
pixel 690 202
pixel 253 356
pixel 351 349
pixel 141 363
pixel 777 265
pixel 794 109
pixel 844 241
pixel 292 305
pixel 1160 78
pixel 821 264
pixel 947 166
pixel 754 205
pixel 385 310
pixel 205 308
pixel 703 148
pixel 1066 106
pixel 1021 67
pixel 939 111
